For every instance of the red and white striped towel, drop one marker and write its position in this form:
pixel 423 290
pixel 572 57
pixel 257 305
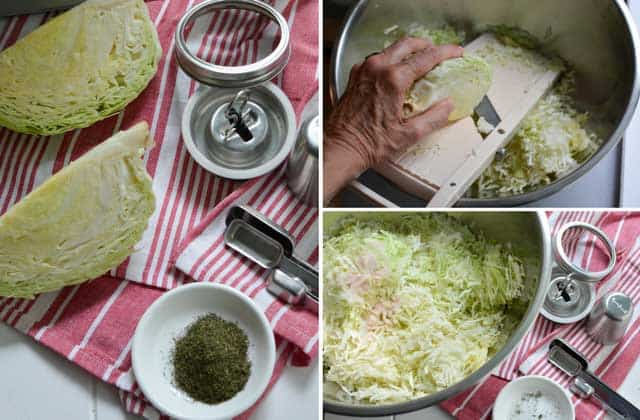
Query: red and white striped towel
pixel 204 256
pixel 92 324
pixel 618 365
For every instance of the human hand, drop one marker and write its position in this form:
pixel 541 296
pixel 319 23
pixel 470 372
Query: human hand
pixel 368 126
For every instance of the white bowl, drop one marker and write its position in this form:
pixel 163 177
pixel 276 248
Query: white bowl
pixel 551 395
pixel 167 319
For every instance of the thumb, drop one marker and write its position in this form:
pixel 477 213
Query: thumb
pixel 432 119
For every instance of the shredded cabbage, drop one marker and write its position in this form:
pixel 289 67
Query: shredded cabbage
pixel 551 143
pixel 438 34
pixel 412 304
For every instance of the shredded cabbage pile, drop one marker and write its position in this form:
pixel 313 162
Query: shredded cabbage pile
pixel 413 304
pixel 552 141
pixel 438 34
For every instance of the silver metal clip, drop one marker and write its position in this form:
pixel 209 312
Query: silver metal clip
pixel 239 119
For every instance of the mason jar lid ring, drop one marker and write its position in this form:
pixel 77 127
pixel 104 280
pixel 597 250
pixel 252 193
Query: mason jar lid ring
pixel 242 76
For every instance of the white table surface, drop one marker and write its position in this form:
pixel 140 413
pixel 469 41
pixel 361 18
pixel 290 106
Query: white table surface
pixel 630 188
pixel 36 383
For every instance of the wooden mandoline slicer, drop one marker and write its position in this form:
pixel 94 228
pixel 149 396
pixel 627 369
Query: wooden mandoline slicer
pixel 450 160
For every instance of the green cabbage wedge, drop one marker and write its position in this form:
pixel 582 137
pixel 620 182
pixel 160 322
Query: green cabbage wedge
pixel 81 67
pixel 81 222
pixel 465 80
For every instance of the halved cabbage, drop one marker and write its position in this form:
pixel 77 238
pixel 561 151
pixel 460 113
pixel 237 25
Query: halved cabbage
pixel 78 68
pixel 465 80
pixel 81 222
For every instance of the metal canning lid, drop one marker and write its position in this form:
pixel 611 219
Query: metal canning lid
pixel 563 260
pixel 569 305
pixel 213 142
pixel 233 76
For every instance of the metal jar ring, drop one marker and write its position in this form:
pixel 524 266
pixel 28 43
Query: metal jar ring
pixel 232 76
pixel 568 266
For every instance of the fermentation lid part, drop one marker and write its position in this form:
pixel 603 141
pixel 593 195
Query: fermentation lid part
pixel 312 135
pixel 567 237
pixel 568 301
pixel 618 306
pixel 216 143
pixel 232 76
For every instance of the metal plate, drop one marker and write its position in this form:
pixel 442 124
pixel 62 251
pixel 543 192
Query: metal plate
pixel 237 159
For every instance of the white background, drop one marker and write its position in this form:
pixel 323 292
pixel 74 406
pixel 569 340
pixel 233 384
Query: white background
pixel 36 383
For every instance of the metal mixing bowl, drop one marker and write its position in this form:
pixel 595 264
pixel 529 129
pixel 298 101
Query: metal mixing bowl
pixel 528 233
pixel 598 37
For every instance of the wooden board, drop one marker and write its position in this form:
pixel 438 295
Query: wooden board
pixel 428 165
pixel 471 169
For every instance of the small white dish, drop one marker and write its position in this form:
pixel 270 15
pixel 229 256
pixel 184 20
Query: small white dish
pixel 167 319
pixel 530 396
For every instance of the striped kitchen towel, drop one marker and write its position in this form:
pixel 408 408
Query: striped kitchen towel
pixel 92 324
pixel 204 257
pixel 185 192
pixel 618 365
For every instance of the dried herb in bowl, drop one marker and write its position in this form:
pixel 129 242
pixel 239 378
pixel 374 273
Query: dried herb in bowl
pixel 211 361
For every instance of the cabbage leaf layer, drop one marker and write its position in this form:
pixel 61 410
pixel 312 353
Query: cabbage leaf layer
pixel 78 68
pixel 81 222
pixel 465 80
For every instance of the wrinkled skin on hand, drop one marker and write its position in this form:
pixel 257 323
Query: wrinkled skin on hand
pixel 368 126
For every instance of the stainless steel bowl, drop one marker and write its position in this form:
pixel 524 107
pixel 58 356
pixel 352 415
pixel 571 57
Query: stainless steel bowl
pixel 598 37
pixel 528 233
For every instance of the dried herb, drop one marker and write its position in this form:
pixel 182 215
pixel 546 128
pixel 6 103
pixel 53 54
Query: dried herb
pixel 211 362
